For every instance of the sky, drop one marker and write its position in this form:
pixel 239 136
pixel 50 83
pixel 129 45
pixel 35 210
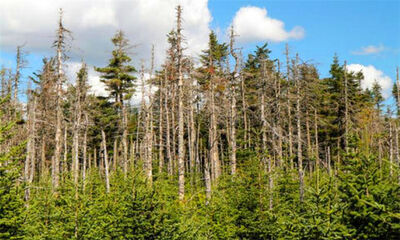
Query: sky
pixel 364 33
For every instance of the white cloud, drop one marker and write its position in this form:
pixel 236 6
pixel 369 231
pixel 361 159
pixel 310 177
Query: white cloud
pixel 371 49
pixel 93 23
pixel 254 24
pixel 96 86
pixel 371 74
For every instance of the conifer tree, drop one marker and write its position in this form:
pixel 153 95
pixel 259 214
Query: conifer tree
pixel 118 78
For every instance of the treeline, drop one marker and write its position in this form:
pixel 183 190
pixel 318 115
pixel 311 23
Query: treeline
pixel 229 147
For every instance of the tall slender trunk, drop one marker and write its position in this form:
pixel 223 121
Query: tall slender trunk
pixel 346 112
pixel 105 154
pixel 76 130
pixel 85 154
pixel 43 168
pixel 396 149
pixel 267 161
pixel 181 163
pixel 31 150
pixel 299 140
pixel 289 111
pixel 160 127
pixel 390 149
pixel 317 164
pixel 278 114
pixel 17 73
pixel 168 134
pixel 232 120
pixel 125 139
pixel 59 117
pixel 244 109
pixel 207 178
pixel 115 155
pixel 64 163
pixel 192 130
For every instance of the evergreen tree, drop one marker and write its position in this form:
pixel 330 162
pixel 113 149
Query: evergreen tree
pixel 11 192
pixel 117 75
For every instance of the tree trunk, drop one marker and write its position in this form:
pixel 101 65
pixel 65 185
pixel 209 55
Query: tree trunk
pixel 160 127
pixel 232 120
pixel 346 112
pixel 289 111
pixel 31 150
pixel 105 154
pixel 317 164
pixel 390 149
pixel 299 140
pixel 181 163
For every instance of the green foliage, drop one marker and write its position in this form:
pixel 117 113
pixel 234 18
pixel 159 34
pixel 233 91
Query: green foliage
pixel 370 203
pixel 117 76
pixel 11 191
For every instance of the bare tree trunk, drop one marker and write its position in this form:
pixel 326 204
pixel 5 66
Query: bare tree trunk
pixel 289 111
pixel 76 130
pixel 232 120
pixel 17 73
pixel 95 157
pixel 181 163
pixel 133 154
pixel 244 107
pixel 160 127
pixel 390 149
pixel 346 112
pixel 396 150
pixel 31 150
pixel 266 163
pixel 125 139
pixel 103 135
pixel 192 130
pixel 299 140
pixel 317 164
pixel 149 127
pixel 85 153
pixel 43 168
pixel 308 135
pixel 64 163
pixel 207 178
pixel 168 135
pixel 115 155
pixel 278 117
pixel 58 142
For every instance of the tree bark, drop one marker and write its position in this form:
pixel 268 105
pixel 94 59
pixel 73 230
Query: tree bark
pixel 105 154
pixel 181 163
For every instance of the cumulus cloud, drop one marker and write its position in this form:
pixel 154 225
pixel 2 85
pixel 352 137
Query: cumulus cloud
pixel 371 49
pixel 371 74
pixel 94 22
pixel 254 24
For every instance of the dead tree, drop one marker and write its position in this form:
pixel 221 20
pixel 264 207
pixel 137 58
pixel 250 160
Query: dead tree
pixel 232 119
pixel 181 159
pixel 105 154
pixel 298 116
pixel 288 105
pixel 60 47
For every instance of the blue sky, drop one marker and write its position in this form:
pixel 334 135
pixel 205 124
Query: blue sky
pixel 331 27
pixel 349 28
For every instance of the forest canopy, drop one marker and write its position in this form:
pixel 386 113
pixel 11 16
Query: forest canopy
pixel 229 147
